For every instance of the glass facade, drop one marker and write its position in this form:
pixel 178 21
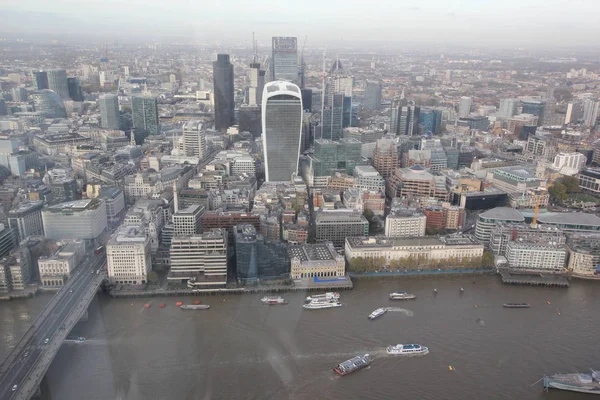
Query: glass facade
pixel 223 89
pixel 145 116
pixel 284 59
pixel 57 82
pixel 282 126
pixel 109 111
pixel 49 103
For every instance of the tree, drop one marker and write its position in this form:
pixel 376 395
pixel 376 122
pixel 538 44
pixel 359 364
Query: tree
pixel 487 260
pixel 563 94
pixel 558 192
pixel 152 277
pixel 571 184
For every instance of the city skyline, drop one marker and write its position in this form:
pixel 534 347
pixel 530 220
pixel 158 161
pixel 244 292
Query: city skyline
pixel 466 22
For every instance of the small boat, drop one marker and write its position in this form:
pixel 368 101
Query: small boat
pixel 196 302
pixel 320 305
pixel 575 382
pixel 434 290
pixel 194 307
pixel 273 300
pixel 402 296
pixel 162 305
pixel 377 313
pixel 516 305
pixel 326 296
pixel 147 305
pixel 450 368
pixel 353 364
pixel 179 303
pixel 462 290
pixel 407 349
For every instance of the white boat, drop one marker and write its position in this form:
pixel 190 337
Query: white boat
pixel 319 305
pixel 377 313
pixel 195 307
pixel 326 296
pixel 272 300
pixel 402 296
pixel 407 349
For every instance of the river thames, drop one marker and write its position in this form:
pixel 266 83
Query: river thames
pixel 242 349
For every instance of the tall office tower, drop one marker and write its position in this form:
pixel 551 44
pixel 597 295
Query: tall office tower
pixel 373 95
pixel 408 122
pixel 307 96
pixel 144 109
pixel 395 109
pixel 75 92
pixel 464 108
pixel 257 83
pixel 574 112
pixel 109 111
pixel 535 107
pixel 194 142
pixel 57 82
pixel 49 103
pixel 282 130
pixel 284 59
pixel 508 108
pixel 428 119
pixel 333 118
pixel 3 109
pixel 249 119
pixel 590 112
pixel 19 93
pixel 41 79
pixel 223 89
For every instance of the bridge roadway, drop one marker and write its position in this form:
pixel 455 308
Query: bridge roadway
pixel 27 363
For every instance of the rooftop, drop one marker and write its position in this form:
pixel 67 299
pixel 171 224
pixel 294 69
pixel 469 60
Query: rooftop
pixel 77 205
pixel 503 213
pixel 313 252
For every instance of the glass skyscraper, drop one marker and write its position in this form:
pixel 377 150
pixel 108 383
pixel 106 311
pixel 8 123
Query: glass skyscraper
pixel 145 116
pixel 49 103
pixel 57 82
pixel 373 95
pixel 284 59
pixel 282 130
pixel 223 85
pixel 109 111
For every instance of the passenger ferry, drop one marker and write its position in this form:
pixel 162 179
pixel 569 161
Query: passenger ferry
pixel 326 296
pixel 402 296
pixel 353 364
pixel 377 313
pixel 516 305
pixel 319 305
pixel 273 300
pixel 407 349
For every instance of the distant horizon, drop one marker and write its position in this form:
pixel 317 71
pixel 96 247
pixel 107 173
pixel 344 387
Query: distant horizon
pixel 508 24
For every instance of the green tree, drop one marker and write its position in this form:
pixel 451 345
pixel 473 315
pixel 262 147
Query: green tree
pixel 152 277
pixel 563 94
pixel 487 260
pixel 571 184
pixel 558 192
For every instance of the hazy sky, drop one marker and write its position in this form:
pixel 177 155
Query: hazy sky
pixel 498 22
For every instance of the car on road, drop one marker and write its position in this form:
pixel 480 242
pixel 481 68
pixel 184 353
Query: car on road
pixel 26 354
pixel 14 388
pixel 71 291
pixel 46 341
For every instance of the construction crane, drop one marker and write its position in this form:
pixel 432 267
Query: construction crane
pixel 301 72
pixel 324 86
pixel 538 197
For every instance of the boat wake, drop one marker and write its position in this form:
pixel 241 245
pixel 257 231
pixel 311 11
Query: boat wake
pixel 404 311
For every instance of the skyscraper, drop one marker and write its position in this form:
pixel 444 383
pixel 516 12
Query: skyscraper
pixel 49 103
pixel 194 143
pixel 223 88
pixel 408 124
pixel 109 111
pixel 535 107
pixel 257 83
pixel 284 59
pixel 508 108
pixel 57 82
pixel 41 80
pixel 395 109
pixel 590 112
pixel 75 92
pixel 282 130
pixel 373 95
pixel 145 116
pixel 464 108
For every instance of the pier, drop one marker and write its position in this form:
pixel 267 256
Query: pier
pixel 512 277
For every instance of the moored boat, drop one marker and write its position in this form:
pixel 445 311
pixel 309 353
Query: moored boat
pixel 325 296
pixel 401 295
pixel 194 307
pixel 353 364
pixel 319 305
pixel 576 382
pixel 516 305
pixel 377 313
pixel 407 349
pixel 273 300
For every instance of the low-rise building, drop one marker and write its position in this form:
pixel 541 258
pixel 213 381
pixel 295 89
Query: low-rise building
pixel 584 254
pixel 81 219
pixel 336 225
pixel 57 268
pixel 427 250
pixel 488 220
pixel 589 180
pixel 405 222
pixel 320 260
pixel 26 219
pixel 258 258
